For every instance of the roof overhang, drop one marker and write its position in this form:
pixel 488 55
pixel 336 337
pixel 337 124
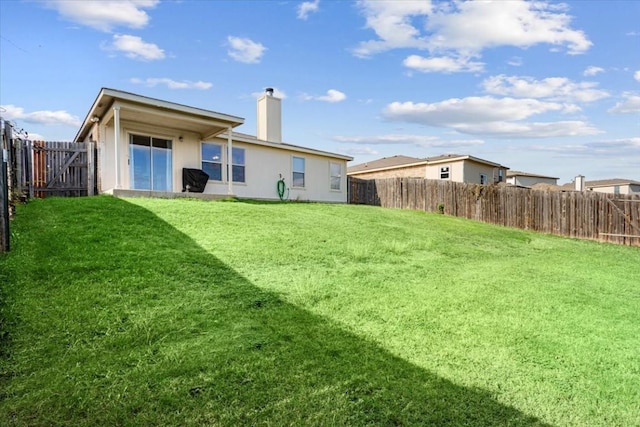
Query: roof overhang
pixel 155 112
pixel 512 174
pixel 435 161
pixel 249 139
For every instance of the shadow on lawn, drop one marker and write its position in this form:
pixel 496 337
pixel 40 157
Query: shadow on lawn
pixel 196 343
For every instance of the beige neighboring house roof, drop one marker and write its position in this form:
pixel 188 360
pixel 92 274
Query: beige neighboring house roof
pixel 610 182
pixel 385 163
pixel 527 174
pixel 399 161
pixel 601 183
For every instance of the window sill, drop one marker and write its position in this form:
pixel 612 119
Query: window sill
pixel 213 181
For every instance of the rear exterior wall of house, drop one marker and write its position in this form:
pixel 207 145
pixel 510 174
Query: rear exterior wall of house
pixel 324 177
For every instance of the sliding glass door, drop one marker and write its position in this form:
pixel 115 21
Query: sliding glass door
pixel 151 164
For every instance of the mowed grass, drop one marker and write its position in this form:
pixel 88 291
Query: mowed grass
pixel 184 312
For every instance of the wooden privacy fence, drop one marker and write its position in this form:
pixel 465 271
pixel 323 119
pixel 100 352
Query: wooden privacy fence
pixel 64 169
pixel 588 214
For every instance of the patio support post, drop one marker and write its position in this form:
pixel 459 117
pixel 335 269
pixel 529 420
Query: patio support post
pixel 229 163
pixel 116 138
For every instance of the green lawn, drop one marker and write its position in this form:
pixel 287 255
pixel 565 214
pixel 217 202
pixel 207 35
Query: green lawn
pixel 185 312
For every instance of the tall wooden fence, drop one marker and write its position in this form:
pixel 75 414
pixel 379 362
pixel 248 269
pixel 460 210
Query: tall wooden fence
pixel 587 215
pixel 64 169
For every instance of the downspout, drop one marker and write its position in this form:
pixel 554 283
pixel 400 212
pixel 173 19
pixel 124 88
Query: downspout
pixel 116 131
pixel 229 161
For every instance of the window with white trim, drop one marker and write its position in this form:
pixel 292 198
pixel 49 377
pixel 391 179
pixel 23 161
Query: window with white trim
pixel 237 164
pixel 444 172
pixel 298 171
pixel 212 160
pixel 335 172
pixel 483 179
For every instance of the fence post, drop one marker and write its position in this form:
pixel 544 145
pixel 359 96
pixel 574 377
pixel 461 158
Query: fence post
pixel 90 168
pixel 4 189
pixel 29 161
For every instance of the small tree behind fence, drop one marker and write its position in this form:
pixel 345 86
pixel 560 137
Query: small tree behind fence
pixel 588 215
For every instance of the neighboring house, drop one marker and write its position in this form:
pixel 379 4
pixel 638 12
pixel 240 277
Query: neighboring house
pixel 144 144
pixel 611 186
pixel 525 179
pixel 452 167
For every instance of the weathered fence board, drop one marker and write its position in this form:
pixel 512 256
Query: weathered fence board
pixel 585 215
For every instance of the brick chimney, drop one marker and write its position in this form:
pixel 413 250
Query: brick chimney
pixel 269 117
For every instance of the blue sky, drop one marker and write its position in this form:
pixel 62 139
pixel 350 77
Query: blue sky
pixel 545 87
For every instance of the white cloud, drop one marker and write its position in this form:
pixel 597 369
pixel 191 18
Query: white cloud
pixel 529 129
pixel 391 21
pixel 593 70
pixel 45 117
pixel 552 88
pixel 104 15
pixel 172 84
pixel 135 48
pixel 331 96
pixel 441 64
pixel 475 26
pixel 307 7
pixel 407 139
pixel 468 110
pixel 515 61
pixel 636 75
pixel 466 28
pixel 245 50
pixel 497 117
pixel 597 149
pixel 629 104
pixel 617 146
pixel 356 151
pixel 387 139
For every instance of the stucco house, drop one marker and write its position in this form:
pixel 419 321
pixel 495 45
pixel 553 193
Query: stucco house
pixel 611 186
pixel 526 179
pixel 452 167
pixel 144 145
